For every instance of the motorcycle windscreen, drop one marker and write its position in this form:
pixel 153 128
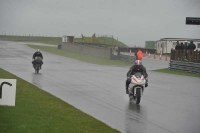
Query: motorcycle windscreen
pixel 138 74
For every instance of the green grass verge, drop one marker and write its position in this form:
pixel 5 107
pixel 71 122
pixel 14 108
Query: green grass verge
pixel 46 40
pixel 81 57
pixel 166 70
pixel 110 42
pixel 39 112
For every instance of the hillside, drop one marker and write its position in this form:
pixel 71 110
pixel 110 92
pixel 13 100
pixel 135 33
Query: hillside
pixel 110 42
pixel 38 39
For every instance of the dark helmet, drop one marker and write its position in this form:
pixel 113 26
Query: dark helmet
pixel 138 63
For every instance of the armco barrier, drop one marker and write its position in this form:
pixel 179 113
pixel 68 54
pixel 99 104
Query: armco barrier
pixel 126 58
pixel 184 66
pixel 96 51
pixel 134 49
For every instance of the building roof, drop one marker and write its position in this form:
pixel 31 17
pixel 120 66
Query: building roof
pixel 179 39
pixel 67 36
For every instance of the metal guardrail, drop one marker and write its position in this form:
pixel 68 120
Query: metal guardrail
pixel 93 44
pixel 134 49
pixel 184 66
pixel 126 58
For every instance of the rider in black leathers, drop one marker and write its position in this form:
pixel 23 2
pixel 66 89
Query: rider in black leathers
pixel 137 67
pixel 37 54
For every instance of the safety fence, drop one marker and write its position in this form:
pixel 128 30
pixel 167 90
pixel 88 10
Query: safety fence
pixel 184 66
pixel 93 44
pixel 134 49
pixel 185 55
pixel 123 57
pixel 102 52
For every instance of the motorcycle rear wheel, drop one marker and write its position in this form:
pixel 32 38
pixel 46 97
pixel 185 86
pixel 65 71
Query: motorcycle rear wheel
pixel 37 68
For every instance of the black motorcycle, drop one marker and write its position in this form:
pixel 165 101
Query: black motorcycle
pixel 37 64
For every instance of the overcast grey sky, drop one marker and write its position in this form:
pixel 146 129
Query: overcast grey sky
pixel 132 21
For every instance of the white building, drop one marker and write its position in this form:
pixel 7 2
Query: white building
pixel 165 45
pixel 69 39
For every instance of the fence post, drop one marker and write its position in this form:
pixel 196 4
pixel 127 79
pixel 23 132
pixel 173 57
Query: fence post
pixel 172 54
pixel 183 56
pixel 180 55
pixel 198 57
pixel 176 53
pixel 192 56
pixel 189 55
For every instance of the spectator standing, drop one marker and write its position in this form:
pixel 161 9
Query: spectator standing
pixel 191 47
pixel 178 48
pixel 185 48
pixel 181 50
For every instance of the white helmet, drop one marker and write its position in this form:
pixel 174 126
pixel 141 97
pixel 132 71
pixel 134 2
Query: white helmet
pixel 38 50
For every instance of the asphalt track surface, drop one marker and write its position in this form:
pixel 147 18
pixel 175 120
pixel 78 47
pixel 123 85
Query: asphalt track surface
pixel 171 103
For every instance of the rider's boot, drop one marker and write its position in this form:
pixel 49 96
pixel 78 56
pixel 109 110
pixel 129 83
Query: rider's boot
pixel 127 90
pixel 146 83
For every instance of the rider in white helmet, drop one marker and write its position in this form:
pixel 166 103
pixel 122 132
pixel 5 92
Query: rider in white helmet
pixel 137 67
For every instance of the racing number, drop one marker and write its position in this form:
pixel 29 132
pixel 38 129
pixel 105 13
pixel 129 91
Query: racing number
pixel 2 86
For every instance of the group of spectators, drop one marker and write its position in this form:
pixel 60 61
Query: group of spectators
pixel 185 46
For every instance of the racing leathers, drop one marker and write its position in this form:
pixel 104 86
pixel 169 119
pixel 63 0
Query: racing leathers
pixel 132 71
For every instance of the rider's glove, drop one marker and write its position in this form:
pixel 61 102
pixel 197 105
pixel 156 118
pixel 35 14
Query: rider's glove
pixel 128 78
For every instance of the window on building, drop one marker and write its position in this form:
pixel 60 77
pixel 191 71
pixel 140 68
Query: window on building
pixel 162 44
pixel 198 45
pixel 174 44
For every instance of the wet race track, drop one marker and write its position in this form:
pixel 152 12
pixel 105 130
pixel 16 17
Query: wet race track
pixel 170 104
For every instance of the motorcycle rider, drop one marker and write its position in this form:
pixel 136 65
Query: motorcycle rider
pixel 37 54
pixel 137 67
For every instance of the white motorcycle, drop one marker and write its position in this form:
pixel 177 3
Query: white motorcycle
pixel 136 87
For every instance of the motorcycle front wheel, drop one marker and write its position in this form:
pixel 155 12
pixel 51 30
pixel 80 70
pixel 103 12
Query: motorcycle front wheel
pixel 138 96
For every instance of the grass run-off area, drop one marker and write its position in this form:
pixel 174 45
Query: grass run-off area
pixel 36 39
pixel 166 70
pixel 108 41
pixel 37 111
pixel 81 57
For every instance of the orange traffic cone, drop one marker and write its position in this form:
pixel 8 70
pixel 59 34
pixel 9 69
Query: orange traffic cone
pixel 160 57
pixel 166 59
pixel 154 56
pixel 130 52
pixel 149 55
